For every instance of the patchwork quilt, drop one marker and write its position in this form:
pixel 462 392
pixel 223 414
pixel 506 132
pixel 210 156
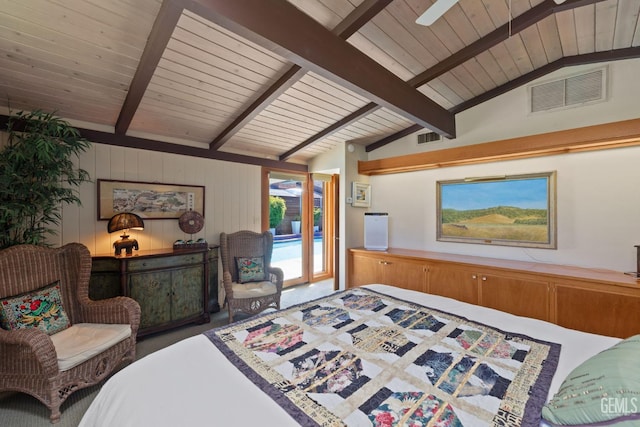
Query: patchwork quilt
pixel 362 358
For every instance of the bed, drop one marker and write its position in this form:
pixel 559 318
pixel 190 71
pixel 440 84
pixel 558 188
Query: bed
pixel 199 381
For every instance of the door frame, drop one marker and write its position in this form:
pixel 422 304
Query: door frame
pixel 330 224
pixel 328 227
pixel 304 229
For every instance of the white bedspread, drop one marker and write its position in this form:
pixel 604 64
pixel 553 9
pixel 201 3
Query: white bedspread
pixel 191 383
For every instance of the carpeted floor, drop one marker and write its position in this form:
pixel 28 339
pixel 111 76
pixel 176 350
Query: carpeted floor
pixel 22 410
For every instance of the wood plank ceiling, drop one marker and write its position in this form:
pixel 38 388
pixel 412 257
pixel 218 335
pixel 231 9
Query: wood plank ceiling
pixel 276 83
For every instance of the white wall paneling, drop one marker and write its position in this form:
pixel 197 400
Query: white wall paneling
pixel 232 196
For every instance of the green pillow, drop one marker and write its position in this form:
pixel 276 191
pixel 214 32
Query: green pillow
pixel 605 389
pixel 250 269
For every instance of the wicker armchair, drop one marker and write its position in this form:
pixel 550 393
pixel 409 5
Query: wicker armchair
pixel 35 362
pixel 254 296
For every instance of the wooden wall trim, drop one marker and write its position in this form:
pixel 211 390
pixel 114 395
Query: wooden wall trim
pixel 624 133
pixel 96 136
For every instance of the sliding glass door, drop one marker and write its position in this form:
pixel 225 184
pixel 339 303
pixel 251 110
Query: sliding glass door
pixel 297 209
pixel 287 218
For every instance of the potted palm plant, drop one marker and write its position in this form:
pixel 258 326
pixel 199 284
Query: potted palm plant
pixel 37 176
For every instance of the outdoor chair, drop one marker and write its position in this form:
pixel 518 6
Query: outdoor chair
pixel 54 340
pixel 251 284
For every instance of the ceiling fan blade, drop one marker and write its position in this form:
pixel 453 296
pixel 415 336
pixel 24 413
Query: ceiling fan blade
pixel 440 7
pixel 436 11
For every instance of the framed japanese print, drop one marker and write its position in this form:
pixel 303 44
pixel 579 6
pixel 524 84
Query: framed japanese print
pixel 149 200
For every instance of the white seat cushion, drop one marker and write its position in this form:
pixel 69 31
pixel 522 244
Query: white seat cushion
pixel 253 289
pixel 82 341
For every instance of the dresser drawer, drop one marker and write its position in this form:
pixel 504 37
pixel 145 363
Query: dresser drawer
pixel 164 262
pixel 99 265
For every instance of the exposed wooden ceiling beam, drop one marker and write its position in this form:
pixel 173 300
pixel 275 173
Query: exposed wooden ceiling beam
pixel 167 147
pixel 287 80
pixel 352 23
pixel 500 34
pixel 161 32
pixel 589 58
pixel 518 24
pixel 359 17
pixel 356 19
pixel 572 4
pixel 356 115
pixel 388 139
pixel 289 32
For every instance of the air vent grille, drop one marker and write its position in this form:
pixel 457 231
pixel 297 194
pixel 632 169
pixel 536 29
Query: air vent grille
pixel 572 91
pixel 423 138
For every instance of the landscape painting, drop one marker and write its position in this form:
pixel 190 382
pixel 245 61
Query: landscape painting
pixel 515 210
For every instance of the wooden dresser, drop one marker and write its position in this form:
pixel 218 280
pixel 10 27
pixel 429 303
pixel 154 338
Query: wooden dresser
pixel 592 300
pixel 171 286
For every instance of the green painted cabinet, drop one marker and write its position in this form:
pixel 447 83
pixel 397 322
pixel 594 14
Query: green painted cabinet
pixel 171 286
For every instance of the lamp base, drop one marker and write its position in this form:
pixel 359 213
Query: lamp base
pixel 127 244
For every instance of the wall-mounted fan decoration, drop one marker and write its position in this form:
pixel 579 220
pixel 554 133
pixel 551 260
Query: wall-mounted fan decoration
pixel 191 222
pixel 440 7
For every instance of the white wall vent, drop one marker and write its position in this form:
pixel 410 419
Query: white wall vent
pixel 423 138
pixel 569 92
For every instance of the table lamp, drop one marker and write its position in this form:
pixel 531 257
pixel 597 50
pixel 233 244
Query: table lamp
pixel 125 221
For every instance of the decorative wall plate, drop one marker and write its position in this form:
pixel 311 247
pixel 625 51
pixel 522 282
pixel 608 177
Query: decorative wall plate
pixel 191 222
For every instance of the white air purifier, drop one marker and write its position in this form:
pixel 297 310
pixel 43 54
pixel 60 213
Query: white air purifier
pixel 376 231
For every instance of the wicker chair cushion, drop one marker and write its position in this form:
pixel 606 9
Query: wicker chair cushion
pixel 250 269
pixel 40 309
pixel 253 289
pixel 82 341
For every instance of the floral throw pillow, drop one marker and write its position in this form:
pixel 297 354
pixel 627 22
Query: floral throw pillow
pixel 40 309
pixel 250 269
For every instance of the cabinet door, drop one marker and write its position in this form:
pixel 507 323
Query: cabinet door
pixel 105 279
pixel 614 313
pixel 452 282
pixel 404 273
pixel 187 294
pixel 364 270
pixel 522 297
pixel 152 290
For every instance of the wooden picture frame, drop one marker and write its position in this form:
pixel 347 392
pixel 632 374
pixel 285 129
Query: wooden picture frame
pixel 514 210
pixel 149 200
pixel 361 195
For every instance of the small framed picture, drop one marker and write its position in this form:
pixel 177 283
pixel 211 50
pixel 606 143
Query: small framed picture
pixel 361 194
